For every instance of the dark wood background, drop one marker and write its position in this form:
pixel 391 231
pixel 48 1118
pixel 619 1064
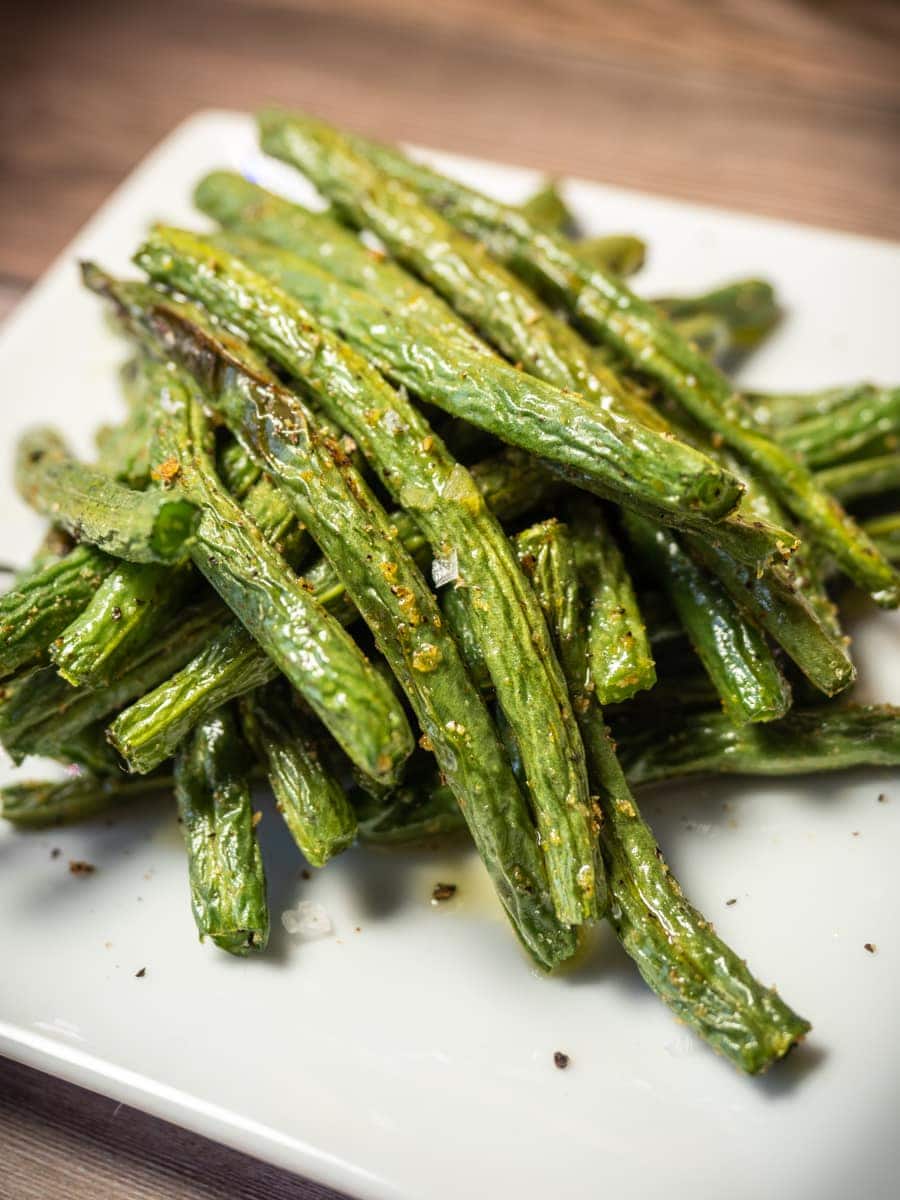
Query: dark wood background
pixel 788 109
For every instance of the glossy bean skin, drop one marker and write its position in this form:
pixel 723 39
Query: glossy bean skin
pixel 675 949
pixel 414 465
pixel 805 740
pixel 225 868
pixel 311 800
pixel 600 304
pixel 137 526
pixel 362 544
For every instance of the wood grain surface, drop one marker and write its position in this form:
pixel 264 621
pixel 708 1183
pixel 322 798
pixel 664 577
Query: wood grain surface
pixel 787 109
pixel 60 1141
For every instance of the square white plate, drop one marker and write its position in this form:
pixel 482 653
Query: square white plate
pixel 410 1055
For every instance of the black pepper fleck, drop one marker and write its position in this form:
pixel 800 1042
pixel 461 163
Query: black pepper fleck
pixel 560 1060
pixel 733 900
pixel 871 947
pixel 443 891
pixel 141 973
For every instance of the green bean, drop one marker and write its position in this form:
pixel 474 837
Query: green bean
pixel 364 548
pixel 321 660
pixel 513 482
pixel 262 501
pixel 602 306
pixel 231 663
pixel 413 816
pixel 236 468
pixel 21 698
pixel 269 511
pixel 621 253
pixel 747 309
pixel 510 744
pixel 706 332
pixel 676 951
pixel 41 713
pixel 129 607
pixel 458 614
pixel 733 652
pixel 138 526
pixel 547 208
pixel 225 869
pixel 44 601
pixel 803 625
pixel 88 748
pixel 420 807
pixel 247 209
pixel 244 208
pixel 484 293
pixel 885 532
pixel 805 741
pixel 137 599
pixel 414 465
pixel 815 739
pixel 612 455
pixel 621 660
pixel 683 692
pixel 853 429
pixel 803 567
pixel 775 602
pixel 781 410
pixel 34 804
pixel 862 478
pixel 311 800
pixel 228 664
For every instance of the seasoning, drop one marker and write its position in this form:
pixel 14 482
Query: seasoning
pixel 55 852
pixel 167 472
pixel 882 799
pixel 733 900
pixel 443 891
pixel 308 920
pixel 871 947
pixel 560 1060
pixel 81 868
pixel 141 973
pixel 427 658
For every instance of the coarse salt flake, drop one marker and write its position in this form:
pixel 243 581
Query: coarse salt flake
pixel 307 921
pixel 445 570
pixel 392 423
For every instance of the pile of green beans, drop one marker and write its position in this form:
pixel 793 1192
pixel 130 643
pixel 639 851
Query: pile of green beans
pixel 459 534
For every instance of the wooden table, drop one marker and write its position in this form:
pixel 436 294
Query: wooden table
pixel 789 109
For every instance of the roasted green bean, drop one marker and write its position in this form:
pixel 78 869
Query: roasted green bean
pixel 225 869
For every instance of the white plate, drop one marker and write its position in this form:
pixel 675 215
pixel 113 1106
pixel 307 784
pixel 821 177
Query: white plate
pixel 411 1054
